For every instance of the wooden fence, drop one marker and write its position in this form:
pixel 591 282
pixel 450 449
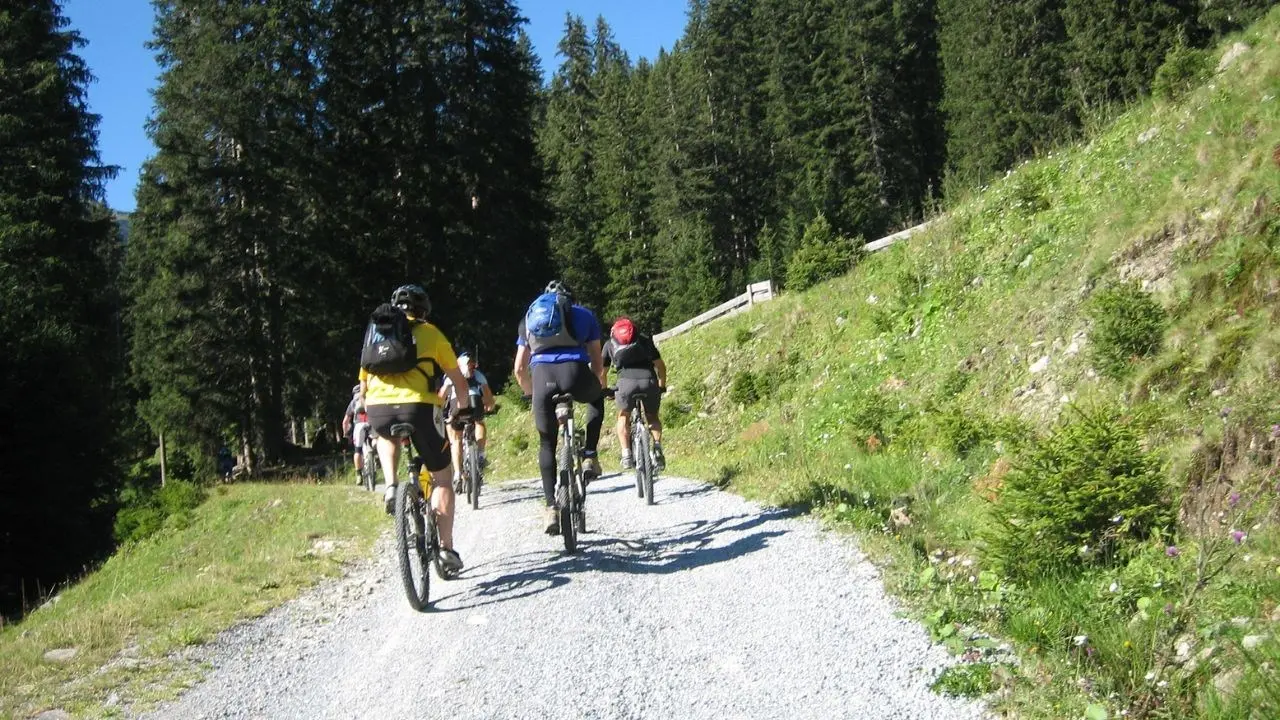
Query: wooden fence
pixel 763 291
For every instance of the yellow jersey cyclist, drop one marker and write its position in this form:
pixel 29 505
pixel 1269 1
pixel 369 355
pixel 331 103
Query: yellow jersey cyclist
pixel 410 397
pixel 482 402
pixel 641 374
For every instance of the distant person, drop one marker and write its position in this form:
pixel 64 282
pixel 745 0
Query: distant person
pixel 410 397
pixel 355 423
pixel 226 463
pixel 642 375
pixel 558 351
pixel 481 402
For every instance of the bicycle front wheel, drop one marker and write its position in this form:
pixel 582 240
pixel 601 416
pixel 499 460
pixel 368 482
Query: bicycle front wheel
pixel 472 469
pixel 411 546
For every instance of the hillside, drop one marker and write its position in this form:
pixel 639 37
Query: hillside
pixel 1085 352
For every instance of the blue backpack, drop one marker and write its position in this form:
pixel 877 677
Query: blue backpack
pixel 549 323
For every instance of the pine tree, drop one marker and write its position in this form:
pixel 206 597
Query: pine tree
pixel 1006 90
pixel 566 146
pixel 58 259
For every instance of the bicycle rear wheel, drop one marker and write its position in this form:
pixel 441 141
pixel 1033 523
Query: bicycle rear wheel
pixel 411 546
pixel 369 471
pixel 564 506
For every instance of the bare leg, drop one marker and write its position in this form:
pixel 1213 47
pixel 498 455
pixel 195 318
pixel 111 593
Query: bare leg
pixel 482 434
pixel 442 501
pixel 455 450
pixel 356 458
pixel 655 428
pixel 389 454
pixel 624 432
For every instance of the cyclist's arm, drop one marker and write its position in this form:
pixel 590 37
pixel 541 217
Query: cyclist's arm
pixel 486 396
pixel 660 367
pixel 597 362
pixel 522 370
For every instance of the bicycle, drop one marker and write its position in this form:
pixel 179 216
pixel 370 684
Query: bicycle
pixel 369 462
pixel 472 476
pixel 571 489
pixel 641 448
pixel 417 536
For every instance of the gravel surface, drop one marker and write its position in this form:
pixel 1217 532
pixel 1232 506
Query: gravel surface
pixel 702 606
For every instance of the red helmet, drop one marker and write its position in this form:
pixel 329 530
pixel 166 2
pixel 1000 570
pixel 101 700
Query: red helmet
pixel 624 331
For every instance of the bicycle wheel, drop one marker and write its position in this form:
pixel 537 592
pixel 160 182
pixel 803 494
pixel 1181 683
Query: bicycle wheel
pixel 644 466
pixel 433 545
pixel 472 465
pixel 637 451
pixel 369 467
pixel 411 546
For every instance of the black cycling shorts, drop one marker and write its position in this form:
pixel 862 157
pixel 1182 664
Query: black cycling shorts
pixel 632 389
pixel 428 430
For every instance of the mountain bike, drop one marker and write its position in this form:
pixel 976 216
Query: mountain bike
pixel 642 451
pixel 472 476
pixel 417 537
pixel 369 462
pixel 571 489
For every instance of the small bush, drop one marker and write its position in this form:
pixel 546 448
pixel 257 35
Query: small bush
pixel 967 680
pixel 1127 324
pixel 744 390
pixel 963 432
pixel 1071 499
pixel 821 256
pixel 954 383
pixel 675 415
pixel 742 336
pixel 146 512
pixel 1183 70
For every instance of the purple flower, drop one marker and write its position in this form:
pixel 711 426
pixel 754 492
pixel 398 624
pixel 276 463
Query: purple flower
pixel 1238 536
pixel 1275 432
pixel 1172 551
pixel 1234 499
pixel 1168 608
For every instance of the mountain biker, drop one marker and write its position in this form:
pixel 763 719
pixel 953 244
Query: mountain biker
pixel 641 374
pixel 568 362
pixel 481 402
pixel 356 424
pixel 410 397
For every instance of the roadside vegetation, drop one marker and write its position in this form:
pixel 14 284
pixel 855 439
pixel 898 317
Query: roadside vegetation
pixel 1054 417
pixel 118 635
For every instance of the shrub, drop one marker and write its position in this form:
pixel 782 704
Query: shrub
pixel 744 390
pixel 675 415
pixel 145 512
pixel 1071 499
pixel 1127 324
pixel 742 336
pixel 1183 69
pixel 821 256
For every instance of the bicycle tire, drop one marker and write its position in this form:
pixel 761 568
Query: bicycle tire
pixel 472 464
pixel 369 471
pixel 568 531
pixel 637 449
pixel 433 546
pixel 410 545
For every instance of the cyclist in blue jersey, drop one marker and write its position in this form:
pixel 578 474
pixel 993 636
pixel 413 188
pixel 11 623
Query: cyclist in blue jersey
pixel 561 354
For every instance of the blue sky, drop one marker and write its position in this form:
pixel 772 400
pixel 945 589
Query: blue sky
pixel 116 31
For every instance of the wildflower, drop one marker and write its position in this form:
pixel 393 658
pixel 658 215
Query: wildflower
pixel 1117 519
pixel 1089 651
pixel 1172 551
pixel 1168 608
pixel 1115 586
pixel 1234 499
pixel 1150 676
pixel 1080 640
pixel 1238 536
pixel 1275 432
pixel 1225 412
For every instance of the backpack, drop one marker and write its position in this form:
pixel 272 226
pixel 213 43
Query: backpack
pixel 389 347
pixel 549 323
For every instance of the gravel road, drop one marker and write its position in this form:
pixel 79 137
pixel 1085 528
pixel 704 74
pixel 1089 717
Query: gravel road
pixel 702 606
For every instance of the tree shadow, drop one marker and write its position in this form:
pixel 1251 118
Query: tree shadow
pixel 679 547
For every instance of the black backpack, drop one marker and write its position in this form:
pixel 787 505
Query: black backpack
pixel 389 347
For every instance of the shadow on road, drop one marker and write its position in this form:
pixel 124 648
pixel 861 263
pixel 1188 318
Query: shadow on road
pixel 679 547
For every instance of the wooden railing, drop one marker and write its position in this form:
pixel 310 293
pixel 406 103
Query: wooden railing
pixel 763 291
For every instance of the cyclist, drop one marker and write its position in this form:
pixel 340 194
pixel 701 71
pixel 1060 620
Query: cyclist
pixel 567 362
pixel 641 374
pixel 410 397
pixel 356 424
pixel 481 402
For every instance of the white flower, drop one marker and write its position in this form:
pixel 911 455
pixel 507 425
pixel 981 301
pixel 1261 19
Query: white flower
pixel 1115 587
pixel 1150 676
pixel 1080 640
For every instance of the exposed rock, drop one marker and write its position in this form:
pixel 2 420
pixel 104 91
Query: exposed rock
pixel 1225 683
pixel 1232 54
pixel 1148 135
pixel 61 654
pixel 1252 642
pixel 53 715
pixel 1040 365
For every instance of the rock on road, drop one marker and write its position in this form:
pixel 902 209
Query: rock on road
pixel 701 606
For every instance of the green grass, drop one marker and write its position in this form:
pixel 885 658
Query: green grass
pixel 247 549
pixel 894 400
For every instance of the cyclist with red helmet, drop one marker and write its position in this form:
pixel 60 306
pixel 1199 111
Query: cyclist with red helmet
pixel 641 374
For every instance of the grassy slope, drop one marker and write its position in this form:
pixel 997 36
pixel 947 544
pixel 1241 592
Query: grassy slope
pixel 1182 197
pixel 247 549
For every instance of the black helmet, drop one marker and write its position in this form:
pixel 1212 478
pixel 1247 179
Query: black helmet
pixel 559 288
pixel 412 298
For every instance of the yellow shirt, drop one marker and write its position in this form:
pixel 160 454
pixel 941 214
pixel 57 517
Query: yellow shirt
pixel 413 386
